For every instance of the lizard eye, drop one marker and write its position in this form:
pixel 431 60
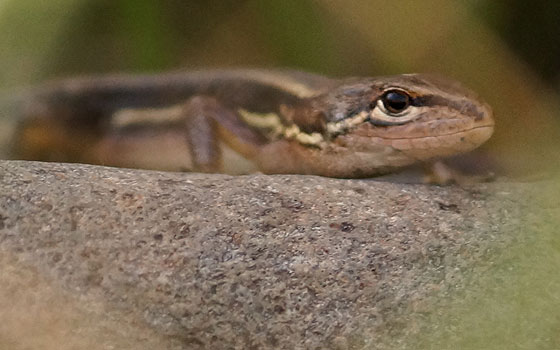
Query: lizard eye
pixel 395 101
pixel 394 107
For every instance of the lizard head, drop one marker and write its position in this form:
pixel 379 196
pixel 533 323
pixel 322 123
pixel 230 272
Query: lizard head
pixel 408 118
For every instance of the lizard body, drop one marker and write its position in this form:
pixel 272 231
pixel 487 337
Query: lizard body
pixel 252 120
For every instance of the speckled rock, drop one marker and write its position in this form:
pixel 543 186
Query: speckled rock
pixel 250 262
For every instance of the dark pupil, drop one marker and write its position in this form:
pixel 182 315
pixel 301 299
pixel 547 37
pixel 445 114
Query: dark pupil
pixel 396 101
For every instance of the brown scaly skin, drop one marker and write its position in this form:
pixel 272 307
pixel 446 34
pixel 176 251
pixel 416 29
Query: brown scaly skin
pixel 245 121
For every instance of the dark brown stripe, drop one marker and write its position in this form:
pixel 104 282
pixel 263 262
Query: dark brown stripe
pixel 464 107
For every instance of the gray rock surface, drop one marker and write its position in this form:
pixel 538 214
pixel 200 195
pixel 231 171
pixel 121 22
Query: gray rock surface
pixel 251 262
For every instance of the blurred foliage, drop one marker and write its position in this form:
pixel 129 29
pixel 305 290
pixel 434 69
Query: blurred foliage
pixel 531 29
pixel 81 36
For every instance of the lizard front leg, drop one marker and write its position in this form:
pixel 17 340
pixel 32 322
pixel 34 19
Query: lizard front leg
pixel 198 135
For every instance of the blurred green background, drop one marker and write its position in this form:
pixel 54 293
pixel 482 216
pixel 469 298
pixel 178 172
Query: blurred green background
pixel 508 51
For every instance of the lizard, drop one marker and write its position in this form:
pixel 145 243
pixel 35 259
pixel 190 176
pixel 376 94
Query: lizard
pixel 245 121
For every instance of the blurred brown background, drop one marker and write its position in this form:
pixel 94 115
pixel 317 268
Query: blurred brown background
pixel 508 51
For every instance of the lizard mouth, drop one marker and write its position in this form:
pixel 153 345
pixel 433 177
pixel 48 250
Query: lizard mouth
pixel 443 145
pixel 405 145
pixel 482 128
